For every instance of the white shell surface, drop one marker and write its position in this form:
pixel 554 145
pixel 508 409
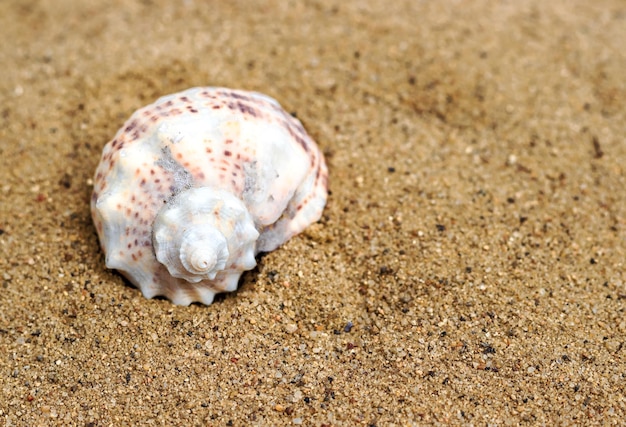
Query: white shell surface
pixel 203 231
pixel 215 139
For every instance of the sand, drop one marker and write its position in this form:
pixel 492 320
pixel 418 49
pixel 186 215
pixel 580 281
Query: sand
pixel 469 268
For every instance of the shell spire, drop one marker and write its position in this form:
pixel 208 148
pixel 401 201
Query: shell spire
pixel 201 231
pixel 194 186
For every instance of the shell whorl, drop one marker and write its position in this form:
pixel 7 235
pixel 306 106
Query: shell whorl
pixel 203 252
pixel 201 232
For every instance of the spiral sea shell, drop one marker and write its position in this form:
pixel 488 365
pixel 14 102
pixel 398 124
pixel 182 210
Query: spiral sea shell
pixel 194 186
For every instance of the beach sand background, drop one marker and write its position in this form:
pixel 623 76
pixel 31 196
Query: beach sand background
pixel 469 268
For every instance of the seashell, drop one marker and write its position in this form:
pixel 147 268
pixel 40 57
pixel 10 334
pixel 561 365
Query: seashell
pixel 194 186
